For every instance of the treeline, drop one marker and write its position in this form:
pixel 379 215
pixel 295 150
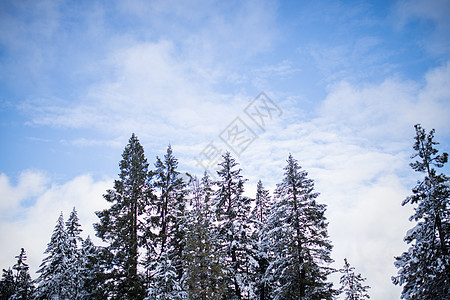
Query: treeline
pixel 171 238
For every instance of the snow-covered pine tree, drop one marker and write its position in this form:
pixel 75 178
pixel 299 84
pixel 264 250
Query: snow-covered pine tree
pixel 164 284
pixel 424 269
pixel 260 249
pixel 167 268
pixel 24 285
pixel 54 279
pixel 233 230
pixel 7 284
pixel 262 205
pixel 352 284
pixel 91 275
pixel 296 231
pixel 73 229
pixel 121 225
pixel 204 276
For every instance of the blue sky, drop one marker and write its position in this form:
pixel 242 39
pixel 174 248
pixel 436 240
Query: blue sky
pixel 350 79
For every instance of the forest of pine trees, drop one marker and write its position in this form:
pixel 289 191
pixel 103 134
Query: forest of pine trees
pixel 168 238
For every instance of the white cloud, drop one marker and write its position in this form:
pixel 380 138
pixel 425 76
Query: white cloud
pixel 29 185
pixel 30 225
pixel 385 113
pixel 149 91
pixel 368 230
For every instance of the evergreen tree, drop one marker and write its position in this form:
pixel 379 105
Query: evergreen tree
pixel 204 276
pixel 165 285
pixel 233 230
pixel 262 205
pixel 167 266
pixel 23 283
pixel 54 279
pixel 424 269
pixel 298 239
pixel 121 225
pixel 352 284
pixel 7 284
pixel 73 229
pixel 260 251
pixel 91 274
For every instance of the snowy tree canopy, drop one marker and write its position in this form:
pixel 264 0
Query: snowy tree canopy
pixel 424 270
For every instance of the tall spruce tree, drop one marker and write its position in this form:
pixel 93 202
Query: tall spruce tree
pixel 260 249
pixel 352 284
pixel 54 279
pixel 298 238
pixel 232 229
pixel 204 276
pixel 23 284
pixel 121 225
pixel 424 269
pixel 169 219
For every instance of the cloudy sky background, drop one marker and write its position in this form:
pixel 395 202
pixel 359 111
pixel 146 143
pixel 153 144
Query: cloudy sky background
pixel 351 79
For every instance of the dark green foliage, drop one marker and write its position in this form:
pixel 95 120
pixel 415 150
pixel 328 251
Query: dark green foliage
pixel 91 272
pixel 424 269
pixel 204 276
pixel 120 225
pixel 7 284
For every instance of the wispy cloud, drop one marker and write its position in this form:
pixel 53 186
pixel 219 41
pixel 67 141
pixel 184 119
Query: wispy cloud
pixel 152 84
pixel 436 12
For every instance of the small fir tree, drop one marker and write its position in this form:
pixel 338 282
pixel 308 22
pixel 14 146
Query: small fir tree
pixel 54 279
pixel 352 284
pixel 24 284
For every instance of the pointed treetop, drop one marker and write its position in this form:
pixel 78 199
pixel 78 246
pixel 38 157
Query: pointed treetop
pixel 352 284
pixel 424 145
pixel 73 226
pixel 21 258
